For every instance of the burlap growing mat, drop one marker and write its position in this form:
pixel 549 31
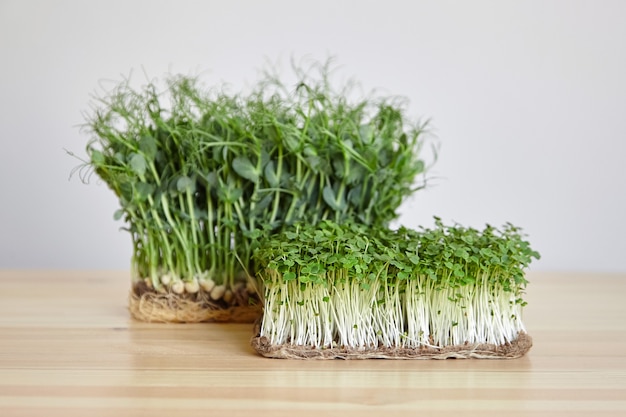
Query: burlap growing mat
pixel 515 349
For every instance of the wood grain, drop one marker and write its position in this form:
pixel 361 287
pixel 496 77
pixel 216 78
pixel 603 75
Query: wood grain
pixel 69 348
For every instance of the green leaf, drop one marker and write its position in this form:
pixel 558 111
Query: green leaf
pixel 329 197
pixel 315 162
pixel 291 235
pixel 461 253
pixel 144 190
pixel 138 164
pixel 118 214
pixel 229 195
pixel 262 205
pixel 270 175
pixel 339 166
pixel 419 166
pixel 212 179
pixel 245 169
pixel 148 146
pixel 292 143
pixel 357 174
pixel 184 184
pixel 126 191
pixel 97 157
pixel 289 276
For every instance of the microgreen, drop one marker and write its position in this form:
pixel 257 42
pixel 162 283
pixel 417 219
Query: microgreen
pixel 352 285
pixel 201 174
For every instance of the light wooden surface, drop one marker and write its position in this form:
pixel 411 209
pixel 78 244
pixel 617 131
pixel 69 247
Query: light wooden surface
pixel 69 348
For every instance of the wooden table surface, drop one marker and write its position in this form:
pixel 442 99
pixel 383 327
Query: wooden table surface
pixel 69 348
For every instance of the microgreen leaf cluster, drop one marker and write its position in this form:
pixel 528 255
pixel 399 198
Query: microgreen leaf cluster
pixel 358 286
pixel 200 174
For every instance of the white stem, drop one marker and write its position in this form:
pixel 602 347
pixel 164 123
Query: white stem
pixel 416 314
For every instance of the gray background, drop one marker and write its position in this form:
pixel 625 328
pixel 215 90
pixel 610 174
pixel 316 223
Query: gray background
pixel 527 98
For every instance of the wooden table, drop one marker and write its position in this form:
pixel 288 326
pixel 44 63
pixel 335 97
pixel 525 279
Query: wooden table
pixel 69 348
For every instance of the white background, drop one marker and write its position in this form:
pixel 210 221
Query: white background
pixel 527 99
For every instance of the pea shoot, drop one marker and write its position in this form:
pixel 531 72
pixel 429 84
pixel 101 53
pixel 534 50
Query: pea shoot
pixel 201 175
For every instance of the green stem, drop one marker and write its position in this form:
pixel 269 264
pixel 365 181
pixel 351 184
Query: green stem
pixel 153 261
pixel 210 230
pixel 340 197
pixel 279 171
pixel 297 200
pixel 176 228
pixel 194 230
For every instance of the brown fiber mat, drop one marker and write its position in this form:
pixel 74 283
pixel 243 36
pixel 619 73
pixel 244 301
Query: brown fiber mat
pixel 515 349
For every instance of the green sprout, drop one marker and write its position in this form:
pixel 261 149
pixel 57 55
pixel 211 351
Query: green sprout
pixel 360 287
pixel 201 174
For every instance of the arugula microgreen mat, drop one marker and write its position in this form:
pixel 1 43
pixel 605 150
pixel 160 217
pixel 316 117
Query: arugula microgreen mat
pixel 201 174
pixel 351 291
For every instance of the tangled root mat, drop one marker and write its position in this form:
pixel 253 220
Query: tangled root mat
pixel 150 306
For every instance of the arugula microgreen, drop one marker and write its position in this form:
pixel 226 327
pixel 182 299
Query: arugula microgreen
pixel 351 285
